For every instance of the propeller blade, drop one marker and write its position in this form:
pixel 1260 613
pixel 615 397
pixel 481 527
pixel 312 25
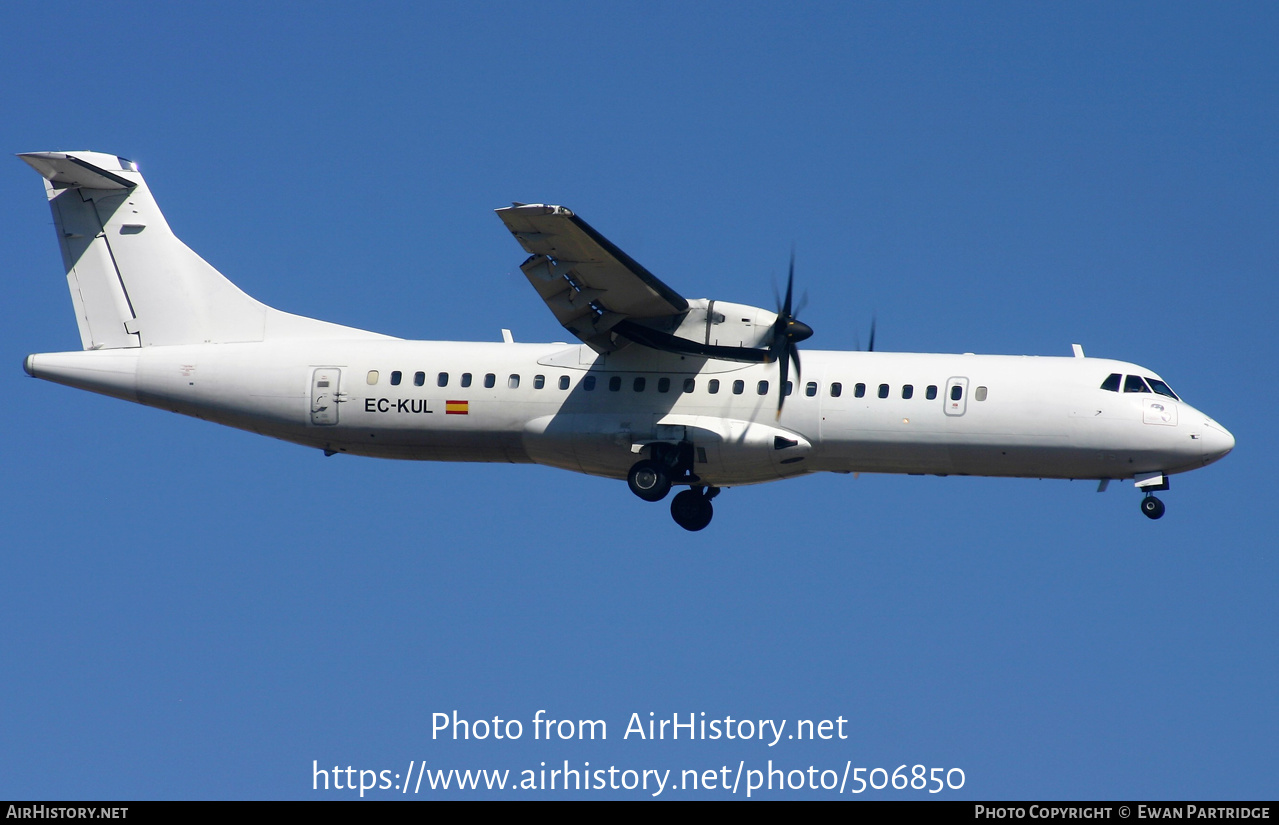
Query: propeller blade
pixel 784 366
pixel 790 286
pixel 871 348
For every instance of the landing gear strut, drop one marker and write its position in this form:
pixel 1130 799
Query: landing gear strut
pixel 692 508
pixel 1152 507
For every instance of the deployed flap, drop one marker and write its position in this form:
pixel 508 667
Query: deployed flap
pixel 588 283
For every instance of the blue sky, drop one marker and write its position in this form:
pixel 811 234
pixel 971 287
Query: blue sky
pixel 195 612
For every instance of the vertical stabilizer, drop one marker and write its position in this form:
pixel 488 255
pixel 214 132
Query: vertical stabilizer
pixel 132 281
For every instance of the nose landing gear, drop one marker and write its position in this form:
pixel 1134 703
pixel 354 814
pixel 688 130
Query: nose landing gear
pixel 1152 507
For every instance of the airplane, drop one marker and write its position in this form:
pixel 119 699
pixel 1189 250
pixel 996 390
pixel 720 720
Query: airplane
pixel 662 390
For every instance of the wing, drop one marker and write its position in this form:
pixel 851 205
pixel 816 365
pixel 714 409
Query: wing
pixel 589 284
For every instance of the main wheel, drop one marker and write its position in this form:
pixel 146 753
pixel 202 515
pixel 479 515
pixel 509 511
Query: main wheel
pixel 692 510
pixel 649 480
pixel 1152 507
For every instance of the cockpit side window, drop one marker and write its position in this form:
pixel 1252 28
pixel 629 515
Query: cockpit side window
pixel 1133 383
pixel 1112 382
pixel 1162 388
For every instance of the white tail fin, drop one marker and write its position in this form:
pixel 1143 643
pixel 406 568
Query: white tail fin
pixel 133 283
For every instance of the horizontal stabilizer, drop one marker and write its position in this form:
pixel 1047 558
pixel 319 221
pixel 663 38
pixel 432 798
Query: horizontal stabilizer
pixel 82 170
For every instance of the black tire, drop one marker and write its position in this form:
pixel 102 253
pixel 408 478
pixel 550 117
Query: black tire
pixel 649 480
pixel 692 510
pixel 1152 507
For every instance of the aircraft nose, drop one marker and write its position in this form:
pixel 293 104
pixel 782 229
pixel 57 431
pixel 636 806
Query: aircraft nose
pixel 1217 441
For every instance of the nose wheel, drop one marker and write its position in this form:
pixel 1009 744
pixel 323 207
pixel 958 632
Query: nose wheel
pixel 1151 507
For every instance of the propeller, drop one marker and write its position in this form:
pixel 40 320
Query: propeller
pixel 871 348
pixel 788 331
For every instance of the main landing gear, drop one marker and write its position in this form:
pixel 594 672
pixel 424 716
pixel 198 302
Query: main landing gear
pixel 651 480
pixel 692 508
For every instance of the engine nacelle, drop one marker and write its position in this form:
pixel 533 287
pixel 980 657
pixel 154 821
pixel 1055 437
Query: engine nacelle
pixel 716 329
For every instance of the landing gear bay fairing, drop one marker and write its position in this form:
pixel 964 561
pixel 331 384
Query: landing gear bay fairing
pixel 663 391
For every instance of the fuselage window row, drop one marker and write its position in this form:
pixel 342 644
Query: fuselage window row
pixel 639 384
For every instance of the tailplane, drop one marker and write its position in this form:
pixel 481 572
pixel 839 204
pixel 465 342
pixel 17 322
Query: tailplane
pixel 132 281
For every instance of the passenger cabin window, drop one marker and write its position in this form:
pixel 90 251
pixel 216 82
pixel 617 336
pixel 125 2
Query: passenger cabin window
pixel 788 389
pixel 1112 382
pixel 663 385
pixel 883 390
pixel 489 380
pixel 638 385
pixel 615 383
pixel 466 379
pixel 690 384
pixel 956 392
pixel 396 377
pixel 513 382
pixel 588 383
pixel 372 377
pixel 1132 383
pixel 761 388
pixel 419 379
pixel 980 395
pixel 836 389
pixel 539 381
pixel 859 390
pixel 712 386
pixel 563 382
pixel 1162 388
pixel 908 391
pixel 810 389
pixel 931 392
pixel 442 380
pixel 739 387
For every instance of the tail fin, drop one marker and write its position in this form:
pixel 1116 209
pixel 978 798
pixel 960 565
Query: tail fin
pixel 133 283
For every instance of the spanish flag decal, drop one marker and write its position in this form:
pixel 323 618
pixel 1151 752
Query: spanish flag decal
pixel 456 408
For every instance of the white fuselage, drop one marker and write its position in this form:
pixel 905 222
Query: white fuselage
pixel 565 406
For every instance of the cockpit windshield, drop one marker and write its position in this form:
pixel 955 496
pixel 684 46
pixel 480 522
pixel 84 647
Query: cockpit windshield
pixel 1135 383
pixel 1162 388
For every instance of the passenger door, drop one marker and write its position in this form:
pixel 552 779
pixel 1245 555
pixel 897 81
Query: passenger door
pixel 325 386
